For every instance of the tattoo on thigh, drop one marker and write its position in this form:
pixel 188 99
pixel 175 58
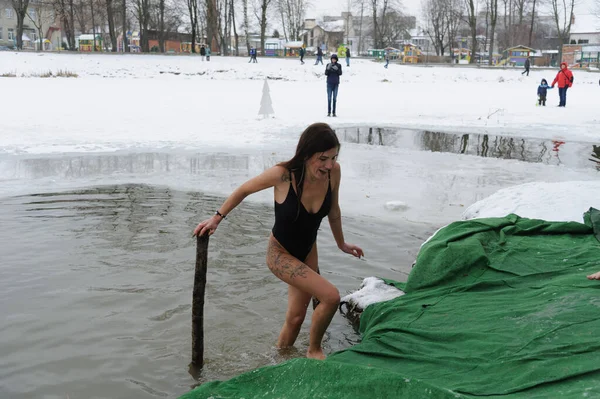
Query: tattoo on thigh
pixel 284 265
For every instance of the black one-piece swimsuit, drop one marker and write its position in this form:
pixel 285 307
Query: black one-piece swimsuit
pixel 296 229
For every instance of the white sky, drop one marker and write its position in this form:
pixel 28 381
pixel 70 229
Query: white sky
pixel 412 7
pixel 335 7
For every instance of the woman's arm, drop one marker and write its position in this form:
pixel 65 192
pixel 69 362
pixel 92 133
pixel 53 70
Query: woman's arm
pixel 269 178
pixel 335 216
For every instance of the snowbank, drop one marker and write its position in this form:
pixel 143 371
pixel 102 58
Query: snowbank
pixel 565 201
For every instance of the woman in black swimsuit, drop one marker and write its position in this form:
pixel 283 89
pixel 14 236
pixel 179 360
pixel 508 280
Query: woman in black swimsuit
pixel 306 189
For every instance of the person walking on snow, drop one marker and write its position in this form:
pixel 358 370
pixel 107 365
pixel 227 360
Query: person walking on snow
pixel 347 57
pixel 208 53
pixel 202 52
pixel 301 55
pixel 542 91
pixel 333 71
pixel 527 66
pixel 319 56
pixel 564 78
pixel 387 59
pixel 252 55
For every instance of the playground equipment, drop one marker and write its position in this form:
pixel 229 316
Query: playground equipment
pixel 86 43
pixel 411 54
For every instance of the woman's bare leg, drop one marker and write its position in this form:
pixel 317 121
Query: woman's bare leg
pixel 595 276
pixel 296 312
pixel 304 279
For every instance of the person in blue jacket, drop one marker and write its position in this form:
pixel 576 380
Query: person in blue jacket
pixel 333 71
pixel 542 92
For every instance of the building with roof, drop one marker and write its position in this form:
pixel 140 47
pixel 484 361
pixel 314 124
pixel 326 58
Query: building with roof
pixel 585 29
pixel 327 35
pixel 40 15
pixel 584 47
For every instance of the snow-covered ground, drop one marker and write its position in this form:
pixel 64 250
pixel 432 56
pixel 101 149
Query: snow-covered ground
pixel 127 104
pixel 566 201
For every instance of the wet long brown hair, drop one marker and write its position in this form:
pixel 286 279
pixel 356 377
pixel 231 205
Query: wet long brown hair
pixel 318 137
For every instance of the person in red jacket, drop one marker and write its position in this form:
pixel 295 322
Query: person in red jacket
pixel 564 77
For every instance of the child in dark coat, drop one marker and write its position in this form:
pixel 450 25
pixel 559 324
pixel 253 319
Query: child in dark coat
pixel 542 91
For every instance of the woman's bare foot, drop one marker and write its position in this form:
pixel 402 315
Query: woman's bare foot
pixel 595 276
pixel 318 354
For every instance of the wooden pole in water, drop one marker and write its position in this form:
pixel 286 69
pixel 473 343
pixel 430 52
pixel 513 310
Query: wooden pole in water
pixel 198 302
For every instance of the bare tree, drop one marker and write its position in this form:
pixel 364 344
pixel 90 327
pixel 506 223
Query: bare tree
pixel 394 28
pixel 434 12
pixel 261 15
pixel 292 13
pixel 66 12
pixel 142 9
pixel 530 41
pixel 126 48
pixel 42 17
pixel 472 22
pixel 235 33
pixel 110 19
pixel 93 24
pixel 20 7
pixel 360 4
pixel 212 23
pixel 245 24
pixel 281 10
pixel 192 6
pixel 379 9
pixel 227 25
pixel 454 15
pixel 81 14
pixel 165 18
pixel 160 24
pixel 493 9
pixel 562 12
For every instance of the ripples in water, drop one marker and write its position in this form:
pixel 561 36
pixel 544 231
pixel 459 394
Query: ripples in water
pixel 96 285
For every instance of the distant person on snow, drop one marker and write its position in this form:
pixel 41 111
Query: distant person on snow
pixel 301 55
pixel 527 66
pixel 387 59
pixel 347 57
pixel 564 78
pixel 542 92
pixel 319 56
pixel 252 55
pixel 333 71
pixel 207 53
pixel 202 52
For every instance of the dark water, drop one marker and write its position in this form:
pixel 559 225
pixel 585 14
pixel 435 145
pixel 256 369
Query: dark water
pixel 96 285
pixel 552 152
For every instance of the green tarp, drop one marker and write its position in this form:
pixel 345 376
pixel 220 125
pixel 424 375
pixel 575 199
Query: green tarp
pixel 493 307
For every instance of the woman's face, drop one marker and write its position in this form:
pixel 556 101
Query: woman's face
pixel 321 163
